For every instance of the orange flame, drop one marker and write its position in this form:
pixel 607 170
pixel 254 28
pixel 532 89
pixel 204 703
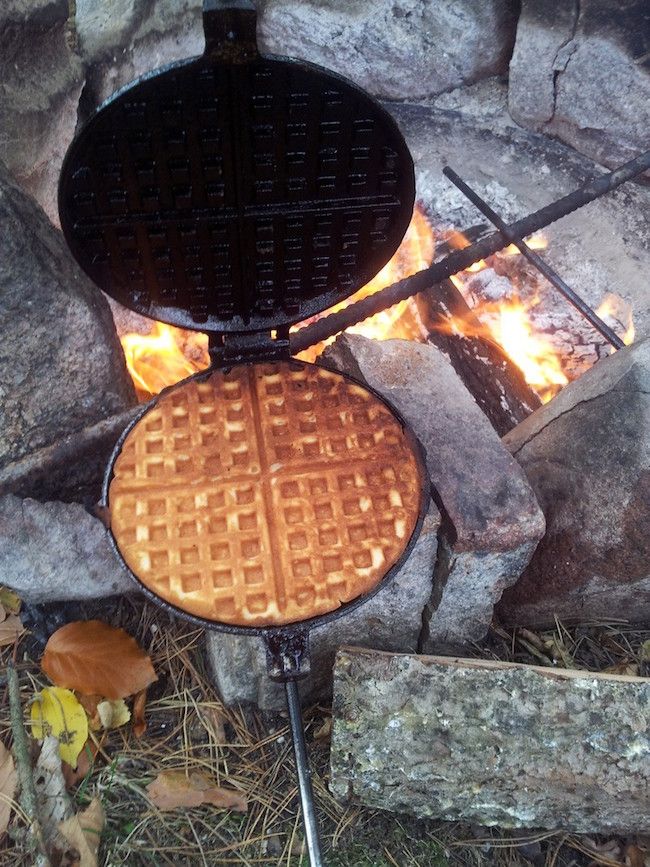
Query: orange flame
pixel 163 357
pixel 615 311
pixel 414 253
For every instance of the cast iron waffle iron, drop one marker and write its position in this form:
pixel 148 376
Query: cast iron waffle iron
pixel 237 194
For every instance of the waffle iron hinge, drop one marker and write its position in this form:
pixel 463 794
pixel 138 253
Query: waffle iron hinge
pixel 227 350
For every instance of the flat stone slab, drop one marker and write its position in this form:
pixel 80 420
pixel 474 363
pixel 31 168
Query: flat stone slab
pixel 492 521
pixel 493 743
pixel 56 551
pixel 587 456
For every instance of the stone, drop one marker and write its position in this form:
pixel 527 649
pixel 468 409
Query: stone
pixel 72 469
pixel 590 82
pixel 42 79
pixel 394 50
pixel 56 551
pixel 587 456
pixel 492 521
pixel 392 619
pixel 121 41
pixel 61 364
pixel 492 743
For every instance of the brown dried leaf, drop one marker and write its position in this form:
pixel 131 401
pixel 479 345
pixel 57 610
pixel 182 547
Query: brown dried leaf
pixel 139 722
pixel 84 763
pixel 10 629
pixel 8 780
pixel 95 658
pixel 172 789
pixel 214 721
pixel 83 833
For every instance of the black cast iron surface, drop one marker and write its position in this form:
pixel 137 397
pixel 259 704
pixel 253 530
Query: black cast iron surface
pixel 236 197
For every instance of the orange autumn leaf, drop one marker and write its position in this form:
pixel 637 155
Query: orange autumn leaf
pixel 139 723
pixel 172 789
pixel 95 658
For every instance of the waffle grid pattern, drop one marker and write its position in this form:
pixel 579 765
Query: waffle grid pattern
pixel 266 495
pixel 227 196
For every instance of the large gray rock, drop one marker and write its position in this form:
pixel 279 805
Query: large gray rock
pixel 492 743
pixel 580 71
pixel 122 40
pixel 56 551
pixel 391 620
pixel 587 456
pixel 61 364
pixel 42 80
pixel 395 50
pixel 492 520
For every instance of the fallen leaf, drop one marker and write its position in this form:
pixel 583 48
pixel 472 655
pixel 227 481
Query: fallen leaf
pixel 10 629
pixel 139 722
pixel 93 657
pixel 634 856
pixel 57 712
pixel 172 789
pixel 8 781
pixel 9 600
pixel 113 714
pixel 631 669
pixel 83 833
pixel 85 762
pixel 214 721
pixel 54 805
pixel 89 704
pixel 325 731
pixel 3 613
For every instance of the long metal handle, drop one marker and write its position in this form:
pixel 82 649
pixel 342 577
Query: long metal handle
pixel 304 774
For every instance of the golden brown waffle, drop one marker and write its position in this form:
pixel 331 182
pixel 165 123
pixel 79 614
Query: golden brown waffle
pixel 265 495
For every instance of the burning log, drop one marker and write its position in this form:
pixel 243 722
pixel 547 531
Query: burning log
pixel 491 377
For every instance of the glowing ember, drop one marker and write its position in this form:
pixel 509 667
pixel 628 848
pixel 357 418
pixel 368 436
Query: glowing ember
pixel 164 357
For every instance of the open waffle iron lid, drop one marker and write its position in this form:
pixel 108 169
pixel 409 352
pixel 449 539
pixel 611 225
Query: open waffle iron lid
pixel 236 192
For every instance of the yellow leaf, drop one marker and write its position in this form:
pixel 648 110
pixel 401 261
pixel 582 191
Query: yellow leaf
pixel 83 833
pixel 57 712
pixel 113 714
pixel 9 600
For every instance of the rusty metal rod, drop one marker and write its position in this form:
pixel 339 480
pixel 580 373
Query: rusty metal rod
pixel 552 276
pixel 461 259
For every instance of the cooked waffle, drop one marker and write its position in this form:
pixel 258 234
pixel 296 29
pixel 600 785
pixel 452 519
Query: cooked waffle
pixel 265 495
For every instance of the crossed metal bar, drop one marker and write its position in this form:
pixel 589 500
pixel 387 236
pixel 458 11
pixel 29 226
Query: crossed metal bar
pixel 459 260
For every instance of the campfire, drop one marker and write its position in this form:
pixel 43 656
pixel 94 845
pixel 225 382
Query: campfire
pixel 513 308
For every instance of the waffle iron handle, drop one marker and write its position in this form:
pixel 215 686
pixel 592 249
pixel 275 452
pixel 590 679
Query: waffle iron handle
pixel 287 656
pixel 230 28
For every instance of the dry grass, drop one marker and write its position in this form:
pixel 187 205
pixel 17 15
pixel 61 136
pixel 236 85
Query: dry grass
pixel 189 728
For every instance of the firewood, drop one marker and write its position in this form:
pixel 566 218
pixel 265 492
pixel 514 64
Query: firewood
pixel 491 742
